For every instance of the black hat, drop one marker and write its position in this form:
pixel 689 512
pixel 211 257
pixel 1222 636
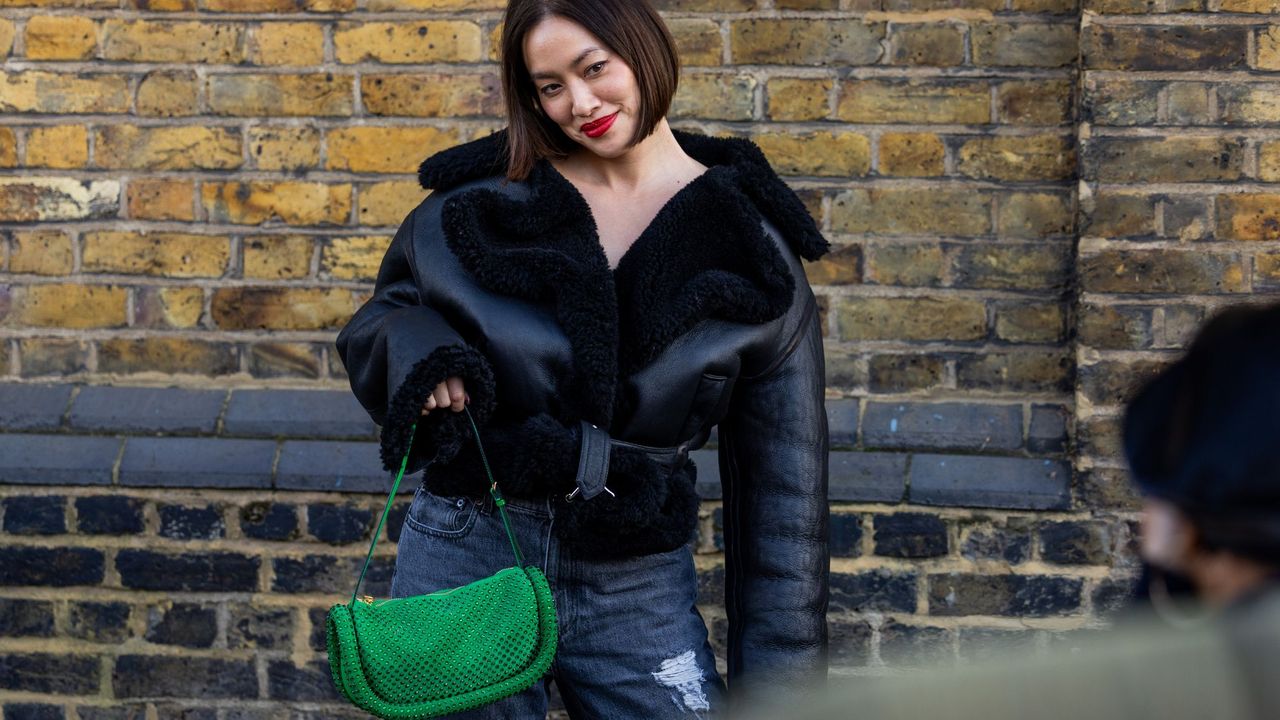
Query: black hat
pixel 1204 434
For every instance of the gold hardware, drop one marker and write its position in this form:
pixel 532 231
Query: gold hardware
pixel 366 599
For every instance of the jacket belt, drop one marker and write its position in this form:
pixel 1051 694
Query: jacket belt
pixel 593 459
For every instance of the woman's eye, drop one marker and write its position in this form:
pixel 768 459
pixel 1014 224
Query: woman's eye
pixel 597 67
pixel 548 89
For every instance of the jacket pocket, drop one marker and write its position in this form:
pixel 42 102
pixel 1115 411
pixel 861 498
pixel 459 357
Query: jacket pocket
pixel 446 516
pixel 710 400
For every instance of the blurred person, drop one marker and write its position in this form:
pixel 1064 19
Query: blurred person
pixel 1203 441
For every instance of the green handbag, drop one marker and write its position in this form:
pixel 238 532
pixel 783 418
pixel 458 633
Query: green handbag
pixel 447 651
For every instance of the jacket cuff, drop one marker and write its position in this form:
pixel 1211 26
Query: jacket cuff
pixel 442 432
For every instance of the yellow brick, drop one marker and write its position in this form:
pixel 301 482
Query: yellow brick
pixel 58 146
pixel 714 97
pixel 798 98
pixel 407 42
pixel 911 211
pixel 277 257
pixel 168 307
pixel 8 147
pixel 58 93
pixel 1269 161
pixel 431 95
pixel 180 255
pixel 61 37
pixel 1251 6
pixel 301 95
pixel 697 41
pixel 161 199
pixel 796 41
pixel 171 355
pixel 1034 102
pixel 294 203
pixel 387 203
pixel 169 93
pixel 164 5
pixel 248 308
pixel 284 148
pixel 440 5
pixel 353 258
pixel 42 252
pixel 330 6
pixel 1017 157
pixel 1249 216
pixel 279 359
pixel 61 357
pixel 1269 48
pixel 878 318
pixel 382 149
pixel 838 154
pixel 167 148
pixel 911 154
pixel 35 199
pixel 69 306
pixel 277 6
pixel 287 43
pixel 172 41
pixel 495 42
pixel 914 101
pixel 1035 215
pixel 7 31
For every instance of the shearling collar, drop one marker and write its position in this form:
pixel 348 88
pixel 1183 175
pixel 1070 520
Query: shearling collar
pixel 705 255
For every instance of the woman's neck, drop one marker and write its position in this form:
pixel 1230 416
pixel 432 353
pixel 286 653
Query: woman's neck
pixel 657 156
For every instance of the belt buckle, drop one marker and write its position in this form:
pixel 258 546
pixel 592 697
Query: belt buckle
pixel 682 454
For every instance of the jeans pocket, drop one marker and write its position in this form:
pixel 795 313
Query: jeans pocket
pixel 446 516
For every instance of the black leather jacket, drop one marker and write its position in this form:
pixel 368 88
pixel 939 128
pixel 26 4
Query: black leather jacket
pixel 580 375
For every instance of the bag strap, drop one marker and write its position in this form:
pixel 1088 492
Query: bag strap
pixel 493 490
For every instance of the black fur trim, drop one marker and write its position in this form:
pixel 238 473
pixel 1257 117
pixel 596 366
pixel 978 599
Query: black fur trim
pixel 442 432
pixel 472 160
pixel 529 458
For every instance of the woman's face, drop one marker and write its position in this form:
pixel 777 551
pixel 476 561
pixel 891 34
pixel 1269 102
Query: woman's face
pixel 582 85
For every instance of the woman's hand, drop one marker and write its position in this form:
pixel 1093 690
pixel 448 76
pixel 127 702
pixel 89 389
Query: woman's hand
pixel 448 394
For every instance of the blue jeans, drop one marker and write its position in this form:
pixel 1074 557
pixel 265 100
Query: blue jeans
pixel 632 643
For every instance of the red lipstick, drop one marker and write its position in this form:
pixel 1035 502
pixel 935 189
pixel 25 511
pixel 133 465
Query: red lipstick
pixel 596 128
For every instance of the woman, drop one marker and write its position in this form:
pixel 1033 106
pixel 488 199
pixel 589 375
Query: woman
pixel 601 290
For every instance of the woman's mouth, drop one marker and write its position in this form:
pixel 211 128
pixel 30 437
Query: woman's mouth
pixel 596 128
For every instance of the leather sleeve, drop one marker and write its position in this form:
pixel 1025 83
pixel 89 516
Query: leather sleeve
pixel 397 349
pixel 773 461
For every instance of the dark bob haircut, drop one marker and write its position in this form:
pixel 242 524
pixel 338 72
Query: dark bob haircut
pixel 630 28
pixel 1204 434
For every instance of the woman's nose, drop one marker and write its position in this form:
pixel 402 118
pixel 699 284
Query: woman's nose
pixel 585 102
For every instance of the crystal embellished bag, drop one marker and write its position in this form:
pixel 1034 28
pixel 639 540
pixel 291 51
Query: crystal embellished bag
pixel 447 651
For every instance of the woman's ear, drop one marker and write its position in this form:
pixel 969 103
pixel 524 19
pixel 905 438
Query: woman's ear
pixel 1169 538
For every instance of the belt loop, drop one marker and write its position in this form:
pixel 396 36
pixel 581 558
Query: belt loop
pixel 593 463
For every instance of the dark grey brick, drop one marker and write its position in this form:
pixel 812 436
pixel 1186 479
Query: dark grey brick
pixel 208 571
pixel 52 673
pixel 711 586
pixel 914 644
pixel 174 711
pixel 945 426
pixel 333 465
pixel 910 535
pixel 846 535
pixel 1075 543
pixel 258 627
pixel 128 409
pixel 263 520
pixel 25 618
pixel 109 515
pixel 35 515
pixel 197 462
pixel 328 574
pixel 101 622
pixel 313 682
pixel 181 522
pixel 340 524
pixel 56 567
pixel 297 413
pixel 1113 596
pixel 867 476
pixel 57 459
pixel 850 643
pixel 116 711
pixel 1010 542
pixel 33 711
pixel 997 482
pixel 183 677
pixel 1008 595
pixel 1048 431
pixel 842 422
pixel 318 615
pixel 32 407
pixel 185 624
pixel 875 590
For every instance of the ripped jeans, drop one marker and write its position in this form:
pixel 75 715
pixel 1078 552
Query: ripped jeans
pixel 632 643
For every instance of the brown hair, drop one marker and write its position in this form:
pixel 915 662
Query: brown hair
pixel 631 28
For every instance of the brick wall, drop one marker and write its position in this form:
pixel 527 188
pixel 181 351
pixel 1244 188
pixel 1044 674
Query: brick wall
pixel 1033 205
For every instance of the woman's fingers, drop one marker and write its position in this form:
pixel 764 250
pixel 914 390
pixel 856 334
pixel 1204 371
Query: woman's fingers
pixel 450 394
pixel 456 394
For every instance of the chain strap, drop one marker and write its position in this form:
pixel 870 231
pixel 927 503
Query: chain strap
pixel 493 490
